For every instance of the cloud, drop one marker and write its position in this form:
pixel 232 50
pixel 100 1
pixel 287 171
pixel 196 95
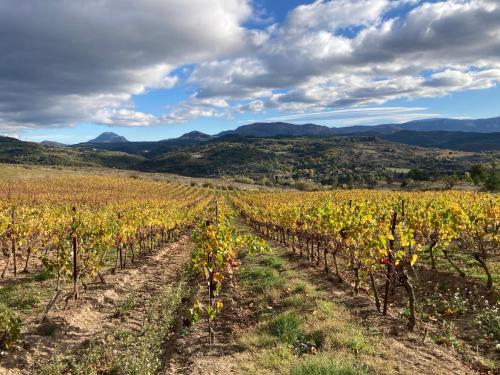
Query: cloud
pixel 341 53
pixel 358 116
pixel 124 117
pixel 64 61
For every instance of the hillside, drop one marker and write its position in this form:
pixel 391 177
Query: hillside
pixel 276 153
pixel 332 160
pixel 463 141
pixel 15 151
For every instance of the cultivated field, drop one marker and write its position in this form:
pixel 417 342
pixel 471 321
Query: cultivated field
pixel 113 273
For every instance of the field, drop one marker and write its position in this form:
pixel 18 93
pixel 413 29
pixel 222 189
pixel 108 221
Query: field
pixel 109 272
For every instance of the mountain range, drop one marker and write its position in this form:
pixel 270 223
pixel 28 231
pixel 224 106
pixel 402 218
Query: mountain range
pixel 463 135
pixel 491 125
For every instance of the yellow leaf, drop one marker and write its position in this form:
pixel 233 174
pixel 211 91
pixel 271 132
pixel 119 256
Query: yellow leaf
pixel 414 259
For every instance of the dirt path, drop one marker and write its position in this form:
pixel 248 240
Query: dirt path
pixel 95 314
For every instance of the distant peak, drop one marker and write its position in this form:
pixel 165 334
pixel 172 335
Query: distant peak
pixel 108 137
pixel 195 135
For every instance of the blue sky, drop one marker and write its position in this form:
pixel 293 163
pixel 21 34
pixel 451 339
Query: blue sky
pixel 70 73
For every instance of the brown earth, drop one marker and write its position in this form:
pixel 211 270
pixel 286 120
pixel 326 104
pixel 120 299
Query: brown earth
pixel 94 314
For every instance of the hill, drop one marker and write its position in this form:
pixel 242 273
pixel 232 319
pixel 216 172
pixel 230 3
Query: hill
pixel 356 160
pixel 53 144
pixel 108 137
pixel 15 151
pixel 195 135
pixel 337 160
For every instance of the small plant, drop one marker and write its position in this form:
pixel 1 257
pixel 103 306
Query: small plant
pixel 446 336
pixel 489 319
pixel 10 327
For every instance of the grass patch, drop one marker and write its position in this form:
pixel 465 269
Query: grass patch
pixel 124 308
pixel 43 276
pixel 272 261
pixel 261 279
pixel 304 330
pixel 293 301
pixel 285 327
pixel 23 296
pixel 328 365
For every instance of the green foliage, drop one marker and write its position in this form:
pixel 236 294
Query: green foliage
pixel 488 175
pixel 286 327
pixel 10 327
pixel 325 365
pixel 492 181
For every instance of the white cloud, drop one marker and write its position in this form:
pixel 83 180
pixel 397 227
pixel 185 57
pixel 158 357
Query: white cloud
pixel 64 61
pixel 311 62
pixel 124 117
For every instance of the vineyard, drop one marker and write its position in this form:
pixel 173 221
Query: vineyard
pixel 147 264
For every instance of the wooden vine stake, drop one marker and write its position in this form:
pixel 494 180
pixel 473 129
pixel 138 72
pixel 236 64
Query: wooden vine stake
pixel 74 243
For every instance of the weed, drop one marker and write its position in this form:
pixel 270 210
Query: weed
pixel 10 327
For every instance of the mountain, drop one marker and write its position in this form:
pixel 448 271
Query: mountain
pixel 283 129
pixel 195 135
pixel 279 129
pixel 489 125
pixel 108 137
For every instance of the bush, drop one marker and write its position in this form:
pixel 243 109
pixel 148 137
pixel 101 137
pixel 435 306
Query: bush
pixel 10 327
pixel 305 185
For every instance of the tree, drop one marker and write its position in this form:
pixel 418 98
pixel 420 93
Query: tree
pixel 478 173
pixel 492 180
pixel 418 175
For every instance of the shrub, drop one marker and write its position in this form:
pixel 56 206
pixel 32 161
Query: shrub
pixel 305 185
pixel 10 327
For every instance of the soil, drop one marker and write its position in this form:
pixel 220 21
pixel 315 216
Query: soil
pixel 73 323
pixel 193 355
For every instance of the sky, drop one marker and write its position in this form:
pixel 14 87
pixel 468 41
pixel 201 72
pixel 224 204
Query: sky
pixel 155 69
